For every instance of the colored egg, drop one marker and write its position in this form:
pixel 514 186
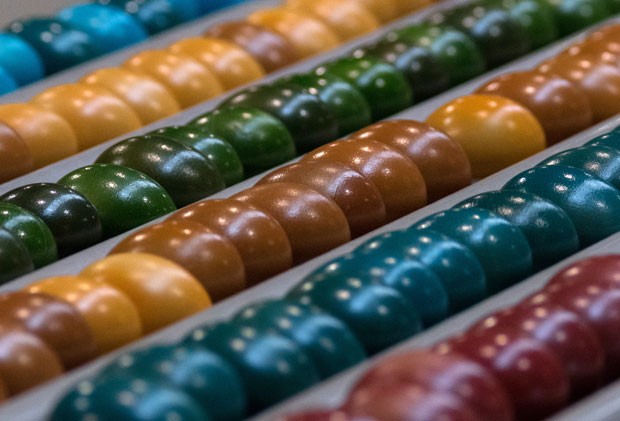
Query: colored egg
pixel 111 316
pixel 71 217
pixel 261 140
pixel 397 178
pixel 384 87
pixel 124 198
pixel 20 59
pixel 154 15
pixel 314 224
pixel 441 160
pixel 261 241
pixel 162 291
pixel 94 113
pixel 306 116
pixel 15 259
pixel 15 156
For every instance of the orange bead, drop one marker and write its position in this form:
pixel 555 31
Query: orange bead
pixel 189 81
pixel 94 113
pixel 231 64
pixel 405 7
pixel 384 10
pixel 15 156
pixel 150 99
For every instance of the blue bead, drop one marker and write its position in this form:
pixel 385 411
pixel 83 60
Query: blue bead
pixel 7 83
pixel 20 60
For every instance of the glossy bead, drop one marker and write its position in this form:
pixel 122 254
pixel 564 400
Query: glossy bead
pixel 574 15
pixel 217 150
pixel 261 140
pixel 73 219
pixel 548 229
pixel 494 131
pixel 536 17
pixel 111 316
pixel 441 160
pixel 600 269
pixel 32 231
pixel 189 81
pixel 150 99
pixel 397 178
pixel 383 86
pixel 49 137
pixel 53 320
pixel 272 367
pixel 15 259
pixel 154 15
pixel 357 197
pixel 383 10
pixel 316 415
pixel 208 6
pixel 590 203
pixel 182 171
pixel 561 107
pixel 124 198
pixel 259 238
pixel 309 36
pixel 611 140
pixel 327 341
pixel 59 44
pixel 269 48
pixel 7 83
pixel 94 113
pixel 20 59
pixel 501 247
pixel 15 156
pixel 211 258
pixel 306 116
pixel 314 224
pixel 162 291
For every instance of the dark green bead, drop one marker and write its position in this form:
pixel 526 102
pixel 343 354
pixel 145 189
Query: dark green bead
pixel 14 257
pixel 535 16
pixel 548 229
pixel 124 198
pixel 217 150
pixel 72 218
pixel 328 341
pixel 575 15
pixel 306 116
pixel 32 231
pixel 260 140
pixel 186 175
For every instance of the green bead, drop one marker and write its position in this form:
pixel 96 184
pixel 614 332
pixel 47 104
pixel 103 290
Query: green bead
pixel 548 229
pixel 384 87
pixel 218 151
pixel 537 18
pixel 501 248
pixel 32 231
pixel 186 175
pixel 261 141
pixel 14 257
pixel 575 15
pixel 72 219
pixel 124 198
pixel 327 341
pixel 306 116
pixel 344 100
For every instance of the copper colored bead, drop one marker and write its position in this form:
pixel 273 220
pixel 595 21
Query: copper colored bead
pixel 15 156
pixel 358 197
pixel 210 257
pixel 441 160
pixel 269 48
pixel 398 179
pixel 258 237
pixel 561 107
pixel 55 321
pixel 313 223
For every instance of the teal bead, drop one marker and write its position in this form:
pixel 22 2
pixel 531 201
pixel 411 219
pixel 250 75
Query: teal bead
pixel 328 342
pixel 124 198
pixel 611 139
pixel 592 204
pixel 548 229
pixel 599 160
pixel 456 266
pixel 203 375
pixel 123 399
pixel 186 175
pixel 501 248
pixel 271 366
pixel 14 257
pixel 379 315
pixel 217 150
pixel 32 231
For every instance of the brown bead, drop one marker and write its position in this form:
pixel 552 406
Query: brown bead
pixel 441 160
pixel 398 179
pixel 210 257
pixel 358 197
pixel 561 107
pixel 269 48
pixel 313 223
pixel 4 390
pixel 55 321
pixel 15 156
pixel 258 237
